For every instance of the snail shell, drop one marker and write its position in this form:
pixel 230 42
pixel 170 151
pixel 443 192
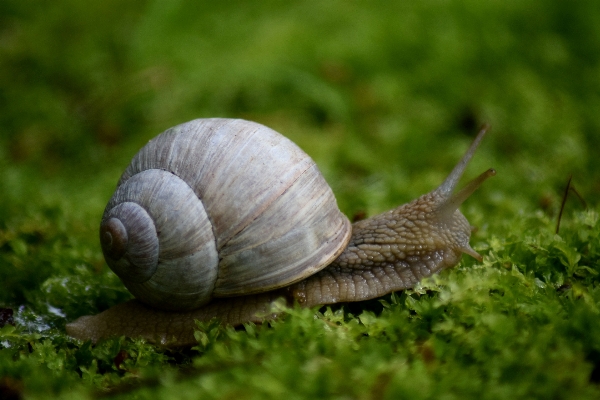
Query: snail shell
pixel 219 208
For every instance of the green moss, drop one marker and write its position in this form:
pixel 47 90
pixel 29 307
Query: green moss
pixel 385 96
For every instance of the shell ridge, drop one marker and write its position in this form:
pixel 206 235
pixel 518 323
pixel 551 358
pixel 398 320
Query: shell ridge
pixel 157 152
pixel 280 264
pixel 259 150
pixel 204 131
pixel 273 200
pixel 221 271
pixel 201 174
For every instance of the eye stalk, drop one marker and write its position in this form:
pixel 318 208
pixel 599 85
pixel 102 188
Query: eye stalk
pixel 451 201
pixel 446 188
pixel 456 199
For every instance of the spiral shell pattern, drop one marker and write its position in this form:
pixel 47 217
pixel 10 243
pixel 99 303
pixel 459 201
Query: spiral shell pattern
pixel 219 208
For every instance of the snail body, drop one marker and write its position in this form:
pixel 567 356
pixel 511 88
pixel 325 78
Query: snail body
pixel 220 217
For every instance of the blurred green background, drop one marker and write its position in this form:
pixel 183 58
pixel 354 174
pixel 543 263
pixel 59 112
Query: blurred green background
pixel 384 95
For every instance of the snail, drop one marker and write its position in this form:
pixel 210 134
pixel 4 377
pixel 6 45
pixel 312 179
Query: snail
pixel 220 217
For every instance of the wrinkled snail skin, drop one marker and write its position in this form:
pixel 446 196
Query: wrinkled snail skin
pixel 388 252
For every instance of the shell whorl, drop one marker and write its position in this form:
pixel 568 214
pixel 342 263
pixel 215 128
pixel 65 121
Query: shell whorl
pixel 219 208
pixel 129 227
pixel 168 231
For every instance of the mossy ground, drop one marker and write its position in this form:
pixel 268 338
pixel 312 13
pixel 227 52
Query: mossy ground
pixel 385 96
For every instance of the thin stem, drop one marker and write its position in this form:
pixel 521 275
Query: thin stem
pixel 579 196
pixel 562 204
pixel 569 188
